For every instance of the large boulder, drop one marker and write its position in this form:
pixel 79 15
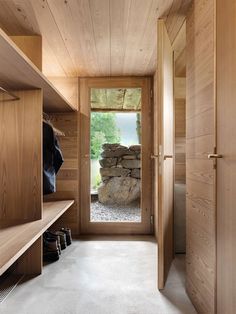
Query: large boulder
pixel 119 190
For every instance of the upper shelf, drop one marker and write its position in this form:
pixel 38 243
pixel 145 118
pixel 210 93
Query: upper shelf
pixel 18 72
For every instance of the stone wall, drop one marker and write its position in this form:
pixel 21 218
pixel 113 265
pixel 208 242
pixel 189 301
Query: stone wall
pixel 121 174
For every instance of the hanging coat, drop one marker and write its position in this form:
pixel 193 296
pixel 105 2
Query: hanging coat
pixel 52 159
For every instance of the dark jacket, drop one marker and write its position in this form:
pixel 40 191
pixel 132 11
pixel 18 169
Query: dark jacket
pixel 52 159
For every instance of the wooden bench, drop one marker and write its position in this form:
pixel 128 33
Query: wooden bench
pixel 23 242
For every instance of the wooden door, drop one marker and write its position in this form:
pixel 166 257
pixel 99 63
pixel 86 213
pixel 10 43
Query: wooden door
pixel 166 153
pixel 88 226
pixel 226 148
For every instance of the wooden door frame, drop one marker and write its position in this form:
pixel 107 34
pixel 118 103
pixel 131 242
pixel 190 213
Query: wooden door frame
pixel 87 227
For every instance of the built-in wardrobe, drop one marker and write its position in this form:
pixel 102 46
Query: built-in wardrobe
pixel 211 155
pixel 24 213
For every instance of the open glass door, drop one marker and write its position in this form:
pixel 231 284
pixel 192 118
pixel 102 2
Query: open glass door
pixel 117 192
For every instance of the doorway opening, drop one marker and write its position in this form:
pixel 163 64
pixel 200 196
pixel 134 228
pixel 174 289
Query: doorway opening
pixel 115 155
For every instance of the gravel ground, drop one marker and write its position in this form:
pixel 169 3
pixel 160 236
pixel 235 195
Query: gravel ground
pixel 100 212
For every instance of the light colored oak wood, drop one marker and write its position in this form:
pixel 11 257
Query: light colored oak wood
pixel 146 201
pixel 180 140
pixel 94 38
pixel 180 88
pixel 67 183
pixel 179 43
pixel 200 134
pixel 16 240
pixel 180 65
pixel 155 153
pixel 166 142
pixel 18 72
pixel 226 145
pixel 68 87
pixel 20 158
pixel 32 48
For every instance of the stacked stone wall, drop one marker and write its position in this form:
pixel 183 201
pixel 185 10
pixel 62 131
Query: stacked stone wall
pixel 121 174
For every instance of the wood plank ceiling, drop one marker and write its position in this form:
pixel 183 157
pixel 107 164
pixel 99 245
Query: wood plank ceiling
pixel 94 37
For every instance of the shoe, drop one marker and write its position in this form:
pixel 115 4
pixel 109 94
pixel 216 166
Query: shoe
pixel 67 232
pixel 62 239
pixel 51 235
pixel 50 250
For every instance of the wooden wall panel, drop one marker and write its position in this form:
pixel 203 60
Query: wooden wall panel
pixel 68 87
pixel 180 140
pixel 68 176
pixel 155 153
pixel 20 158
pixel 200 141
pixel 32 48
pixel 226 167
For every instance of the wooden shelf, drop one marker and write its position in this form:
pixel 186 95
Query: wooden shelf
pixel 17 72
pixel 15 240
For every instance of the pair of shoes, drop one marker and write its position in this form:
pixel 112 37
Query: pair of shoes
pixel 67 232
pixel 54 242
pixel 50 235
pixel 50 249
pixel 62 238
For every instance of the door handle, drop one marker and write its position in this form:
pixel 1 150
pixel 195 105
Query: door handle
pixel 154 156
pixel 214 156
pixel 167 156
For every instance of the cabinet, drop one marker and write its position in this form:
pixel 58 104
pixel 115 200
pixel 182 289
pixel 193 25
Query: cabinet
pixel 24 214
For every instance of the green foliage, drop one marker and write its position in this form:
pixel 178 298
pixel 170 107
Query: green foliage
pixel 103 130
pixel 98 181
pixel 96 144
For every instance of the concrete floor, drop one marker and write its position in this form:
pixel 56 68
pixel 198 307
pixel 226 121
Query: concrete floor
pixel 102 276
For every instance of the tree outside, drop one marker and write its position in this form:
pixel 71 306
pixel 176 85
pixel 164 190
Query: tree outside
pixel 103 130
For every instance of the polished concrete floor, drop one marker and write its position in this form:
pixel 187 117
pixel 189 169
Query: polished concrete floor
pixel 102 276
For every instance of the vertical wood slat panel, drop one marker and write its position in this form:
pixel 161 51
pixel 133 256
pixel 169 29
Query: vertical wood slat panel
pixel 67 183
pixel 20 158
pixel 226 145
pixel 200 175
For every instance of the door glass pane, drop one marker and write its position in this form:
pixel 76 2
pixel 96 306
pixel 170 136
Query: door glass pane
pixel 115 144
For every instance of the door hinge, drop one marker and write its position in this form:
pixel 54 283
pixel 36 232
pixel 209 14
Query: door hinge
pixel 151 93
pixel 152 219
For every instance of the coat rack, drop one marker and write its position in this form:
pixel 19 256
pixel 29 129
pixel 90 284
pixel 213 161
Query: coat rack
pixel 46 119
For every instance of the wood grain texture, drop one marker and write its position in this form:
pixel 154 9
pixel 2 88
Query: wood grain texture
pixel 20 158
pixel 31 262
pixel 166 142
pixel 200 134
pixel 155 153
pixel 94 38
pixel 32 48
pixel 67 184
pixel 18 72
pixel 180 140
pixel 68 87
pixel 16 240
pixel 146 200
pixel 226 145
